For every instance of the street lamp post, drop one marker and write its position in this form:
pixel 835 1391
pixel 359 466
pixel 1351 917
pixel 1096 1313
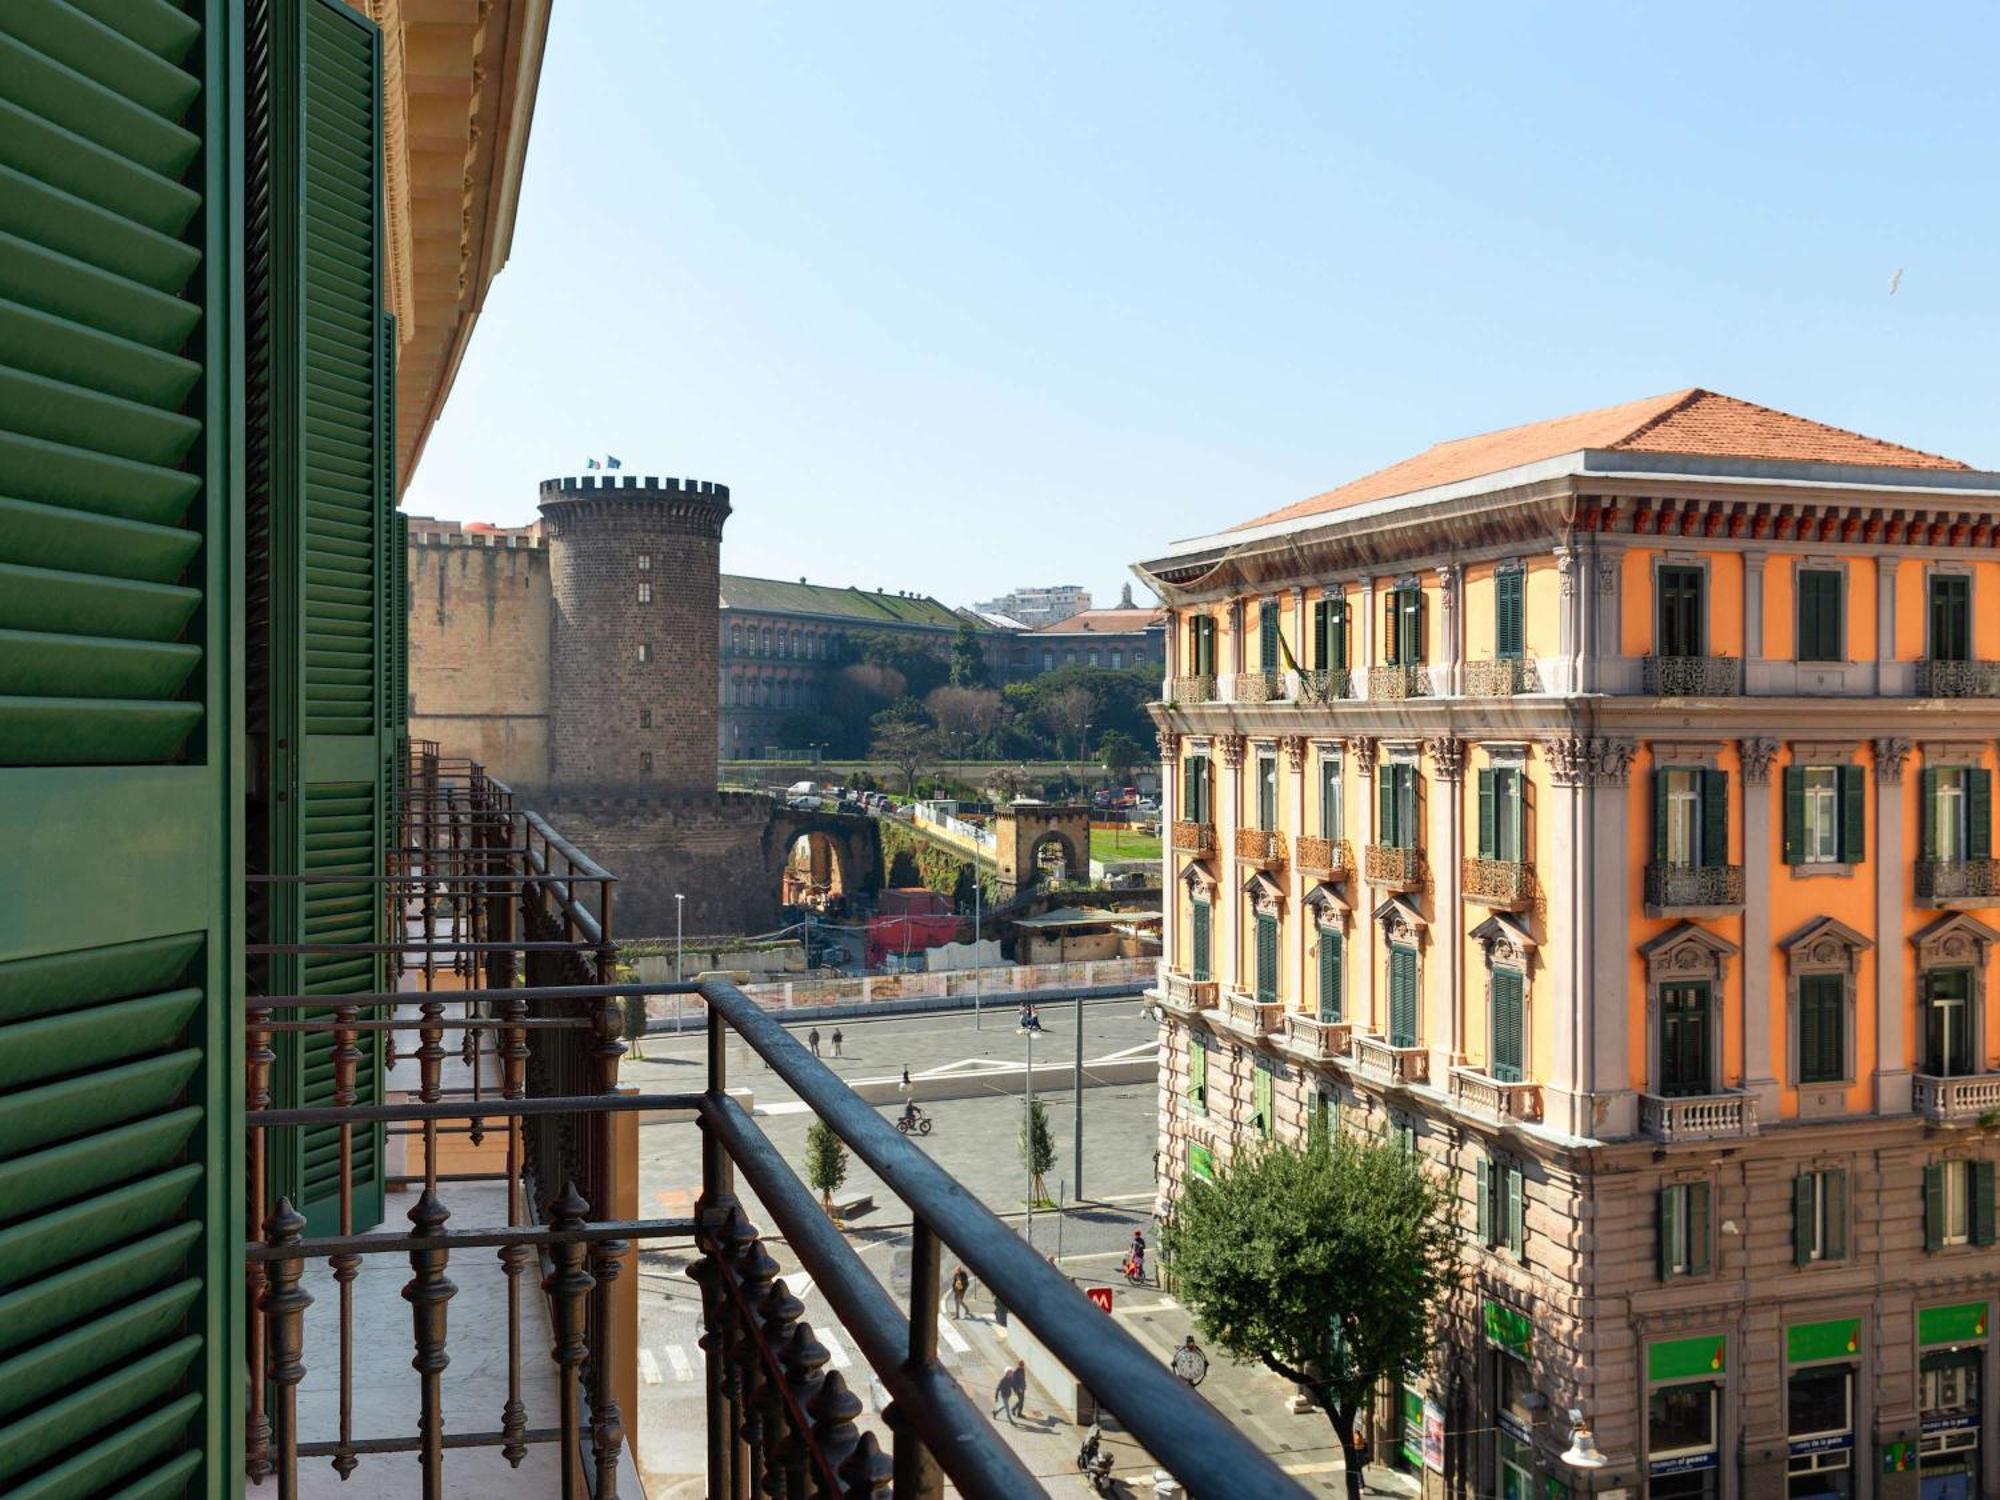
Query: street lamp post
pixel 1028 1129
pixel 679 901
pixel 978 973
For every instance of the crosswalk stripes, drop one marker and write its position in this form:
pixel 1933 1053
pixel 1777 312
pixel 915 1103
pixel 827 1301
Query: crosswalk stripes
pixel 835 1354
pixel 649 1367
pixel 682 1369
pixel 952 1337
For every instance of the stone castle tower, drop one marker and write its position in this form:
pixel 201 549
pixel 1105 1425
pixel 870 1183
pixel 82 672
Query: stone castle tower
pixel 634 572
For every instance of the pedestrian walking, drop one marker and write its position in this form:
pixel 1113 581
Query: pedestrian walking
pixel 905 1084
pixel 812 1040
pixel 838 1053
pixel 960 1285
pixel 1020 1384
pixel 1002 1390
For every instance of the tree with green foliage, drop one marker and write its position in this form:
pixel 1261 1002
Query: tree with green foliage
pixel 1038 1151
pixel 826 1162
pixel 968 659
pixel 1118 753
pixel 1329 1263
pixel 902 735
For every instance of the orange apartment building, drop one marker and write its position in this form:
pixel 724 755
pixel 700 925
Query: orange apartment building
pixel 1603 809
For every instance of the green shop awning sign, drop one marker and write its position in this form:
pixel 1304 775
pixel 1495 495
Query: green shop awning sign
pixel 1508 1328
pixel 1952 1325
pixel 1686 1359
pixel 1839 1338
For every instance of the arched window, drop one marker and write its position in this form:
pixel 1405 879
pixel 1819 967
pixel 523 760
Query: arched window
pixel 735 637
pixel 767 640
pixel 798 643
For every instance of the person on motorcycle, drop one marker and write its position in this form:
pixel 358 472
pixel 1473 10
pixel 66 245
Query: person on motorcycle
pixel 910 1113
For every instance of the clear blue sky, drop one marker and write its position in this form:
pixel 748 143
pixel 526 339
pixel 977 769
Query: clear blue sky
pixel 961 297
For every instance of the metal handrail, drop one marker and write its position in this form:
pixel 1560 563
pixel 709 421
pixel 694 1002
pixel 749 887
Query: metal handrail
pixel 1185 1433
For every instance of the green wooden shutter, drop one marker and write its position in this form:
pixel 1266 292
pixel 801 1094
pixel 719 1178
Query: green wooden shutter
pixel 1486 820
pixel 1659 817
pixel 1190 805
pixel 1982 1203
pixel 1261 1096
pixel 1978 814
pixel 1385 797
pixel 1402 997
pixel 1267 636
pixel 1419 628
pixel 1392 652
pixel 1338 633
pixel 1197 1072
pixel 1509 636
pixel 1934 1206
pixel 1319 637
pixel 1199 938
pixel 1795 815
pixel 1670 1215
pixel 1836 1215
pixel 1715 817
pixel 1517 1217
pixel 321 434
pixel 1853 815
pixel 1802 1219
pixel 1330 957
pixel 1929 787
pixel 1267 958
pixel 120 1083
pixel 1506 1049
pixel 1697 1228
pixel 1482 1210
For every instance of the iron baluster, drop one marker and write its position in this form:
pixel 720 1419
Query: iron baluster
pixel 258 1058
pixel 346 1265
pixel 568 1287
pixel 917 1474
pixel 428 1292
pixel 284 1306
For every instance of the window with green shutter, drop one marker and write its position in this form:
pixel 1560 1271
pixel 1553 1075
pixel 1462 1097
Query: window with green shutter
pixel 1397 791
pixel 1507 1025
pixel 1482 1202
pixel 1404 628
pixel 1819 1216
pixel 1684 1230
pixel 1681 627
pixel 1690 817
pixel 1267 958
pixel 1819 609
pixel 1332 957
pixel 1402 997
pixel 1201 645
pixel 1501 835
pixel 1260 1102
pixel 1950 617
pixel 1332 799
pixel 1514 1204
pixel 1267 636
pixel 1509 630
pixel 1197 1087
pixel 1330 633
pixel 1195 789
pixel 1958 1204
pixel 1199 938
pixel 1958 814
pixel 120 908
pixel 1822 1028
pixel 1201 1163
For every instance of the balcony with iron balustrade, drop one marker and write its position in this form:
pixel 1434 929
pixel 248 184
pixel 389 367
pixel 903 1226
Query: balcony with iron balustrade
pixel 1501 884
pixel 1331 685
pixel 1497 1099
pixel 1309 1038
pixel 1392 684
pixel 1956 1101
pixel 1698 1117
pixel 1381 1061
pixel 1958 884
pixel 1675 890
pixel 1958 679
pixel 520 1187
pixel 1393 868
pixel 1502 677
pixel 1323 859
pixel 1196 688
pixel 1692 676
pixel 1262 847
pixel 1193 838
pixel 1256 687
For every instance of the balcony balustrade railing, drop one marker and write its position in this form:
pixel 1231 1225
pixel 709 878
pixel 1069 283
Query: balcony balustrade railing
pixel 1693 890
pixel 1261 846
pixel 1193 838
pixel 1411 681
pixel 1955 1101
pixel 1958 679
pixel 1698 1117
pixel 1189 994
pixel 1395 868
pixel 501 933
pixel 1381 1060
pixel 1495 1098
pixel 1251 1016
pixel 1959 882
pixel 1504 884
pixel 1257 687
pixel 1324 859
pixel 1314 1039
pixel 1501 678
pixel 1194 689
pixel 1693 676
pixel 1327 686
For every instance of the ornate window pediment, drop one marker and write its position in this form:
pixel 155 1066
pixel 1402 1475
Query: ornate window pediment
pixel 1329 909
pixel 1507 942
pixel 1401 922
pixel 1687 952
pixel 1954 941
pixel 1825 945
pixel 1267 897
pixel 1200 880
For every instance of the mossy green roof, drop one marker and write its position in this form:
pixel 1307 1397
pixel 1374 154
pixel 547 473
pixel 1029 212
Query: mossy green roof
pixel 772 596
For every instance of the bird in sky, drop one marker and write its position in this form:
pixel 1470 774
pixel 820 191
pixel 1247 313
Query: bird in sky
pixel 1895 281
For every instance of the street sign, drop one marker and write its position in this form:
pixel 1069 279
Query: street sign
pixel 1101 1295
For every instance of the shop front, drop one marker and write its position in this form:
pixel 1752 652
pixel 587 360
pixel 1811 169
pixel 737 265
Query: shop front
pixel 1684 1385
pixel 1951 1393
pixel 1820 1360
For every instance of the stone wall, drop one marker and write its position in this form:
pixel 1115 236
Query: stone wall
pixel 710 849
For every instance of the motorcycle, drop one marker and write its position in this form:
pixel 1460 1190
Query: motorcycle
pixel 921 1125
pixel 1135 1270
pixel 1095 1464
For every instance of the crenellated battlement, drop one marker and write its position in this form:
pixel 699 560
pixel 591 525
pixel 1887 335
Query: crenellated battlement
pixel 631 487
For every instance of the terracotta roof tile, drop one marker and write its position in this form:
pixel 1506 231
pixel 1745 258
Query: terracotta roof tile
pixel 1692 421
pixel 1100 621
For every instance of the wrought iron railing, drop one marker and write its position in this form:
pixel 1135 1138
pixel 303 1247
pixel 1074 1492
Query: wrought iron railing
pixel 1501 678
pixel 1958 679
pixel 1328 859
pixel 1263 846
pixel 505 932
pixel 1958 879
pixel 1508 884
pixel 1199 688
pixel 1412 681
pixel 1193 838
pixel 1672 887
pixel 1326 685
pixel 1693 676
pixel 1257 687
pixel 1397 868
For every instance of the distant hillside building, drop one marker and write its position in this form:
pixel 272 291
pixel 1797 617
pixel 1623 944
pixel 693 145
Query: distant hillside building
pixel 1035 608
pixel 1100 638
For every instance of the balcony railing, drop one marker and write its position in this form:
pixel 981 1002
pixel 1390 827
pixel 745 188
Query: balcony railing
pixel 1693 890
pixel 1958 882
pixel 1958 679
pixel 1698 1117
pixel 1257 687
pixel 1496 1099
pixel 1956 1101
pixel 503 933
pixel 1393 868
pixel 1324 859
pixel 1314 1039
pixel 1190 995
pixel 1382 1061
pixel 1693 676
pixel 1251 1016
pixel 1326 686
pixel 1261 846
pixel 1502 678
pixel 1412 681
pixel 1503 884
pixel 1193 838
pixel 1195 689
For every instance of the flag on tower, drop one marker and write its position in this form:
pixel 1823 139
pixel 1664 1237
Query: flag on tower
pixel 612 463
pixel 591 463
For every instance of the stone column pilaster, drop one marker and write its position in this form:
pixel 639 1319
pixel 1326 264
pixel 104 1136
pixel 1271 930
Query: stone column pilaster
pixel 1571 624
pixel 1364 966
pixel 1447 843
pixel 1364 661
pixel 1229 818
pixel 1892 1067
pixel 1753 607
pixel 1614 1102
pixel 1300 654
pixel 1756 755
pixel 1298 922
pixel 1568 875
pixel 1885 624
pixel 1451 588
pixel 1607 644
pixel 1170 887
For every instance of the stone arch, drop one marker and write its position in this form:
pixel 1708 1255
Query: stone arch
pixel 1052 860
pixel 815 874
